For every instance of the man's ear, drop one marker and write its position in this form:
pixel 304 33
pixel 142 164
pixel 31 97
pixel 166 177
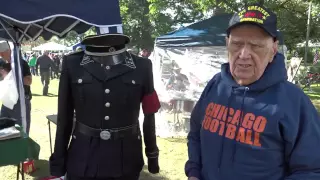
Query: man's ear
pixel 227 41
pixel 274 50
pixel 275 47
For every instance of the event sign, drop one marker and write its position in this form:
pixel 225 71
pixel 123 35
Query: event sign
pixel 293 68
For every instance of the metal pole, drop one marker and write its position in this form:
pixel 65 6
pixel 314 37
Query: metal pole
pixel 50 136
pixel 307 36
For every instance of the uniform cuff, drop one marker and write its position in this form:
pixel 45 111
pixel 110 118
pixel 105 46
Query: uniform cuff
pixel 150 103
pixel 152 155
pixel 194 173
pixel 57 166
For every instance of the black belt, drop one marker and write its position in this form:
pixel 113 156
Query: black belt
pixel 107 134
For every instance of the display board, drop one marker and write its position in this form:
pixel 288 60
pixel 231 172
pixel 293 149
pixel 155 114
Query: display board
pixel 180 75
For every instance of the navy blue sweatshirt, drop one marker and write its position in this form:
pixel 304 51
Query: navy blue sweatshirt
pixel 268 130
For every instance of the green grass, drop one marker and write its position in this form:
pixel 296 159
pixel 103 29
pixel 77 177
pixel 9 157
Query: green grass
pixel 314 95
pixel 173 152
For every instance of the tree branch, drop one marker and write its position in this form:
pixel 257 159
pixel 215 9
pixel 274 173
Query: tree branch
pixel 229 5
pixel 282 4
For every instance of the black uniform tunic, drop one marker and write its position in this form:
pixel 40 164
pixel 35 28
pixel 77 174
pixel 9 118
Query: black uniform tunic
pixel 103 97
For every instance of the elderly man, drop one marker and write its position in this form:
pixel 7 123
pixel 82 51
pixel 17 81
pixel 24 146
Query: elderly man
pixel 250 122
pixel 5 53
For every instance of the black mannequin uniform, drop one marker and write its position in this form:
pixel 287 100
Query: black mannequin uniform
pixel 105 90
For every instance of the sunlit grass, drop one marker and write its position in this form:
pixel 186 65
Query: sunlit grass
pixel 314 95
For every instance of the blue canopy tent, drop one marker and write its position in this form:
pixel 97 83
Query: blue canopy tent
pixel 209 32
pixel 29 19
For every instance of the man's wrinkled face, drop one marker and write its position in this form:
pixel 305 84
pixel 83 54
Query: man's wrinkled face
pixel 250 50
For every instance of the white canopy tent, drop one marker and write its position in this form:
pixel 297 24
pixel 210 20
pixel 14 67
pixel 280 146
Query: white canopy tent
pixel 51 46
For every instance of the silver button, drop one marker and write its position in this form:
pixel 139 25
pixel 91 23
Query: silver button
pixel 107 104
pixel 107 67
pixel 107 91
pixel 133 81
pixel 105 135
pixel 106 118
pixel 79 81
pixel 101 65
pixel 139 137
pixel 74 137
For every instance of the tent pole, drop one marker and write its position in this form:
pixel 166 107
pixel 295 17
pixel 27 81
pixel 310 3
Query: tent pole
pixel 20 87
pixel 307 36
pixel 15 64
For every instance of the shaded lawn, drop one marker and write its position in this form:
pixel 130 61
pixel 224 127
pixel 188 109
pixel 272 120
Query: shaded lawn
pixel 314 95
pixel 173 152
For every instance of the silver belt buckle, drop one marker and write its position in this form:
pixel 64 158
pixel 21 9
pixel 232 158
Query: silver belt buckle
pixel 105 135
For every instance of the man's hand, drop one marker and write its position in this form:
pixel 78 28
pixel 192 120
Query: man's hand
pixel 193 178
pixel 153 165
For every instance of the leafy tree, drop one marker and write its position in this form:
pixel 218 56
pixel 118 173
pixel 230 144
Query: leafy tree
pixel 136 22
pixel 144 20
pixel 292 16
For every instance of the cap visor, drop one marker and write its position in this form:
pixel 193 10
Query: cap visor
pixel 252 23
pixel 106 40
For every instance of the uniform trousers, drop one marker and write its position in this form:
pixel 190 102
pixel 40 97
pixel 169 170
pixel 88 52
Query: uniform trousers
pixel 125 177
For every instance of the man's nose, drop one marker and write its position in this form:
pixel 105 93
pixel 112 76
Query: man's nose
pixel 245 52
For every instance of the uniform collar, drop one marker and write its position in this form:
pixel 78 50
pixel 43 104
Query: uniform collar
pixel 128 61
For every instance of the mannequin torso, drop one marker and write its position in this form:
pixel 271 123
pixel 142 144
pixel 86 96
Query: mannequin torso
pixel 106 90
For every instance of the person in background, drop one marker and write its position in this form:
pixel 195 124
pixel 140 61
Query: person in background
pixel 32 64
pixel 178 81
pixel 52 69
pixel 37 55
pixel 25 56
pixel 56 61
pixel 145 53
pixel 44 63
pixel 5 53
pixel 250 122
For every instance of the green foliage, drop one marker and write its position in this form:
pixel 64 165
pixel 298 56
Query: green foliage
pixel 310 52
pixel 136 22
pixel 292 16
pixel 144 20
pixel 290 55
pixel 314 69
